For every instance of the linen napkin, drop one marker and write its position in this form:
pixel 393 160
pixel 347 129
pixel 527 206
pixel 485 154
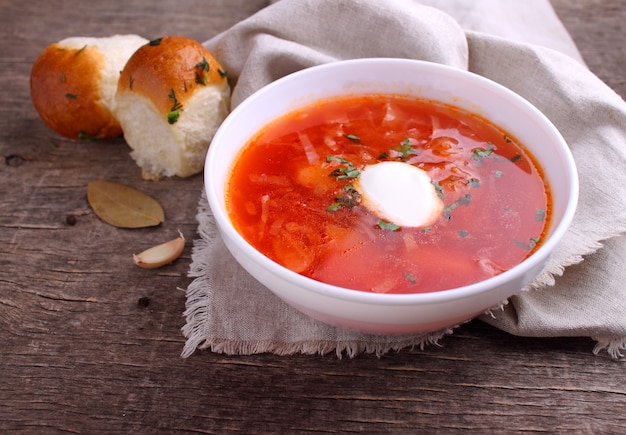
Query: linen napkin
pixel 581 291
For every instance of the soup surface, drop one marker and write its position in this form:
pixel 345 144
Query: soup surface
pixel 292 195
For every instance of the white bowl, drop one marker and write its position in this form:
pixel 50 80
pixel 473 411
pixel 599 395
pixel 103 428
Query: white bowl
pixel 393 313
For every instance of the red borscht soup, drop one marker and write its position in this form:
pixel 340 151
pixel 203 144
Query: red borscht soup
pixel 293 194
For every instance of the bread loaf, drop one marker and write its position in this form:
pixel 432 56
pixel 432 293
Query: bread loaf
pixel 73 84
pixel 171 97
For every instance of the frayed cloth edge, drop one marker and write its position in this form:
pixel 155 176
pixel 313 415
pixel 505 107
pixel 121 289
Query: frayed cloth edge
pixel 341 348
pixel 196 312
pixel 614 346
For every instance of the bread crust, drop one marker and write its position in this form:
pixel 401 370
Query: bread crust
pixel 66 92
pixel 168 71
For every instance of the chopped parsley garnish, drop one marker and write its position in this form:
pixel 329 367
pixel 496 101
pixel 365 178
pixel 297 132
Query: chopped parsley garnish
pixel 80 50
pixel 353 138
pixel 532 242
pixel 204 65
pixel 506 139
pixel 174 112
pixel 202 78
pixel 350 198
pixel 409 277
pixel 498 174
pixel 479 154
pixel 335 206
pixel 348 171
pixel 464 200
pixel 172 116
pixel 388 226
pixel 473 182
pixel 383 156
pixel 223 74
pixel 438 189
pixel 406 150
pixel 71 96
pixel 540 214
pixel 463 234
pixel 402 152
pixel 155 42
pixel 131 80
pixel 516 158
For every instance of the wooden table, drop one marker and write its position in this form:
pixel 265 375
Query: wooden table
pixel 89 343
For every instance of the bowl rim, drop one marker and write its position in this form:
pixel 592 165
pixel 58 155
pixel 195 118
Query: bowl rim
pixel 435 297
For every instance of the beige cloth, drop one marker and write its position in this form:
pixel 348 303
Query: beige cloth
pixel 228 311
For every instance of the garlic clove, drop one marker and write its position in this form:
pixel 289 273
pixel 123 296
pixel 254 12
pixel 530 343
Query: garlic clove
pixel 160 255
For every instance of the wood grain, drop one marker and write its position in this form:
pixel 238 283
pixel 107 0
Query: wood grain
pixel 90 343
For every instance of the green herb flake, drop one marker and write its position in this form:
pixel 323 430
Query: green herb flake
pixel 448 209
pixel 222 73
pixel 80 50
pixel 383 156
pixel 52 143
pixel 348 171
pixel 353 138
pixel 131 80
pixel 202 78
pixel 338 159
pixel 438 189
pixel 540 215
pixel 479 154
pixel 84 136
pixel 335 206
pixel 155 42
pixel 203 65
pixel 463 234
pixel 506 139
pixel 388 226
pixel 497 174
pixel 343 173
pixel 516 158
pixel 409 277
pixel 174 112
pixel 406 150
pixel 350 199
pixel 532 242
pixel 71 96
pixel 172 116
pixel 484 152
pixel 473 182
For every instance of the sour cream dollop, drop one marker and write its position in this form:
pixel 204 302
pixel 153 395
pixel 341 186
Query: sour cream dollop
pixel 399 193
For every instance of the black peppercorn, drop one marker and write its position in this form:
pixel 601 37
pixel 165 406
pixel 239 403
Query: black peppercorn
pixel 143 302
pixel 70 219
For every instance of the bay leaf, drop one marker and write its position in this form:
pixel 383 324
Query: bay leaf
pixel 123 206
